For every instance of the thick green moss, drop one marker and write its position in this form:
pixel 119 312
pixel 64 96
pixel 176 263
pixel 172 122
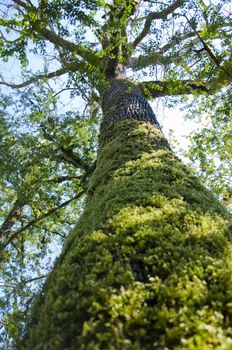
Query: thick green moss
pixel 149 263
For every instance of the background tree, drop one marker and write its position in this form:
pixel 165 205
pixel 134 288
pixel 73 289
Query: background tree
pixel 49 146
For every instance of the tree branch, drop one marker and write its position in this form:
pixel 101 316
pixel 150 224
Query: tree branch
pixel 11 218
pixel 144 61
pixel 57 40
pixel 32 279
pixel 157 57
pixel 205 46
pixel 153 16
pixel 14 235
pixel 67 153
pixel 155 89
pixel 61 179
pixel 71 157
pixel 17 285
pixel 175 40
pixel 24 5
pixel 57 73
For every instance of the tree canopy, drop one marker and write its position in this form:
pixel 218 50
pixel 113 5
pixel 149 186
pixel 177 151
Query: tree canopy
pixel 63 52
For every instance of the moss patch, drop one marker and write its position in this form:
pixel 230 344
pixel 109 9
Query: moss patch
pixel 149 263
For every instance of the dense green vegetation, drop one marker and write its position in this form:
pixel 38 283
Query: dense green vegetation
pixel 148 264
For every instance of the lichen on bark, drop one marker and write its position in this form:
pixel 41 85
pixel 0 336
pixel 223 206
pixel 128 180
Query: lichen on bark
pixel 148 266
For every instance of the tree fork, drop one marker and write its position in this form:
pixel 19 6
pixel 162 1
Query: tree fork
pixel 148 263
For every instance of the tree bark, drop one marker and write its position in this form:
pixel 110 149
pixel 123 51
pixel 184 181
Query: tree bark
pixel 147 265
pixel 123 100
pixel 10 220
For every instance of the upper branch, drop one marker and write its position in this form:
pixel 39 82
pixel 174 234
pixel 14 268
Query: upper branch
pixel 156 89
pixel 205 46
pixel 144 61
pixel 23 4
pixel 57 40
pixel 51 36
pixel 158 57
pixel 57 73
pixel 156 15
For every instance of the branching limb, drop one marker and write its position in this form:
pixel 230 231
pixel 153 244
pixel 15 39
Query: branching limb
pixel 69 156
pixel 61 179
pixel 30 280
pixel 156 15
pixel 67 153
pixel 38 77
pixel 30 2
pixel 19 285
pixel 7 40
pixel 71 67
pixel 58 41
pixel 65 89
pixel 205 46
pixel 155 89
pixel 176 40
pixel 157 57
pixel 35 221
pixel 113 35
pixel 144 61
pixel 24 5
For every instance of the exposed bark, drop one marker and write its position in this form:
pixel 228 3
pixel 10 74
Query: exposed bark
pixel 124 100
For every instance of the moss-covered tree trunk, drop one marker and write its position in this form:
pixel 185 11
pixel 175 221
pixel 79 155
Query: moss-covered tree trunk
pixel 149 263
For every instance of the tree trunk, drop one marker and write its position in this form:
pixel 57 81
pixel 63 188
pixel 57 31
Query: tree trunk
pixel 148 265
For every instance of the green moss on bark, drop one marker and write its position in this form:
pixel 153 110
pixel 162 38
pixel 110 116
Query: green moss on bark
pixel 149 263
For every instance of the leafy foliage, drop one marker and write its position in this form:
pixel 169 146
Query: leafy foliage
pixel 41 183
pixel 211 149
